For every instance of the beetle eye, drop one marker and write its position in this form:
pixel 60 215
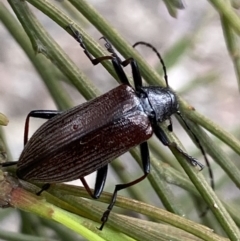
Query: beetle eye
pixel 142 94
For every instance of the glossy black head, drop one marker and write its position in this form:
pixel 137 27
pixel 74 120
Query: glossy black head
pixel 160 102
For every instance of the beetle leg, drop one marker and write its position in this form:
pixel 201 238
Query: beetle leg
pixel 7 164
pixel 145 157
pixel 146 169
pixel 44 114
pixel 79 39
pixel 134 66
pixel 137 78
pixel 85 184
pixel 99 184
pixel 163 138
pixel 170 126
pixel 44 188
pixel 100 181
pixel 116 61
pixel 202 150
pixel 120 72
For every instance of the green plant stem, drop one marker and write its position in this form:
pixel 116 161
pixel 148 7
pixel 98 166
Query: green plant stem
pixel 213 128
pixel 160 186
pixel 171 9
pixel 232 43
pixel 13 236
pixel 3 120
pixel 48 72
pixel 30 202
pixel 50 49
pixel 217 154
pixel 226 10
pixel 64 21
pixel 143 208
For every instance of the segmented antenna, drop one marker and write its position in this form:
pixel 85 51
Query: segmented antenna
pixel 210 172
pixel 159 57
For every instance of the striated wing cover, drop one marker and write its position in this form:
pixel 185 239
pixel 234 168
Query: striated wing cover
pixel 81 140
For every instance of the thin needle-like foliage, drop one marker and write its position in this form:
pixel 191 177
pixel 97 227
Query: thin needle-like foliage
pixel 66 208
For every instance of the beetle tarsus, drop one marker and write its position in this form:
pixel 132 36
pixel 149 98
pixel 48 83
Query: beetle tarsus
pixel 77 36
pixel 108 46
pixel 44 188
pixel 193 161
pixel 79 39
pixel 201 166
pixel 104 218
pixel 7 164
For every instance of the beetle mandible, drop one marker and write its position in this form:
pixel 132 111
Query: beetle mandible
pixel 86 138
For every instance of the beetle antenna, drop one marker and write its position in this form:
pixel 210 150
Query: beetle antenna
pixel 159 57
pixel 205 158
pixel 164 69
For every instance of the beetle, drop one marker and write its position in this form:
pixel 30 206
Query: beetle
pixel 86 138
